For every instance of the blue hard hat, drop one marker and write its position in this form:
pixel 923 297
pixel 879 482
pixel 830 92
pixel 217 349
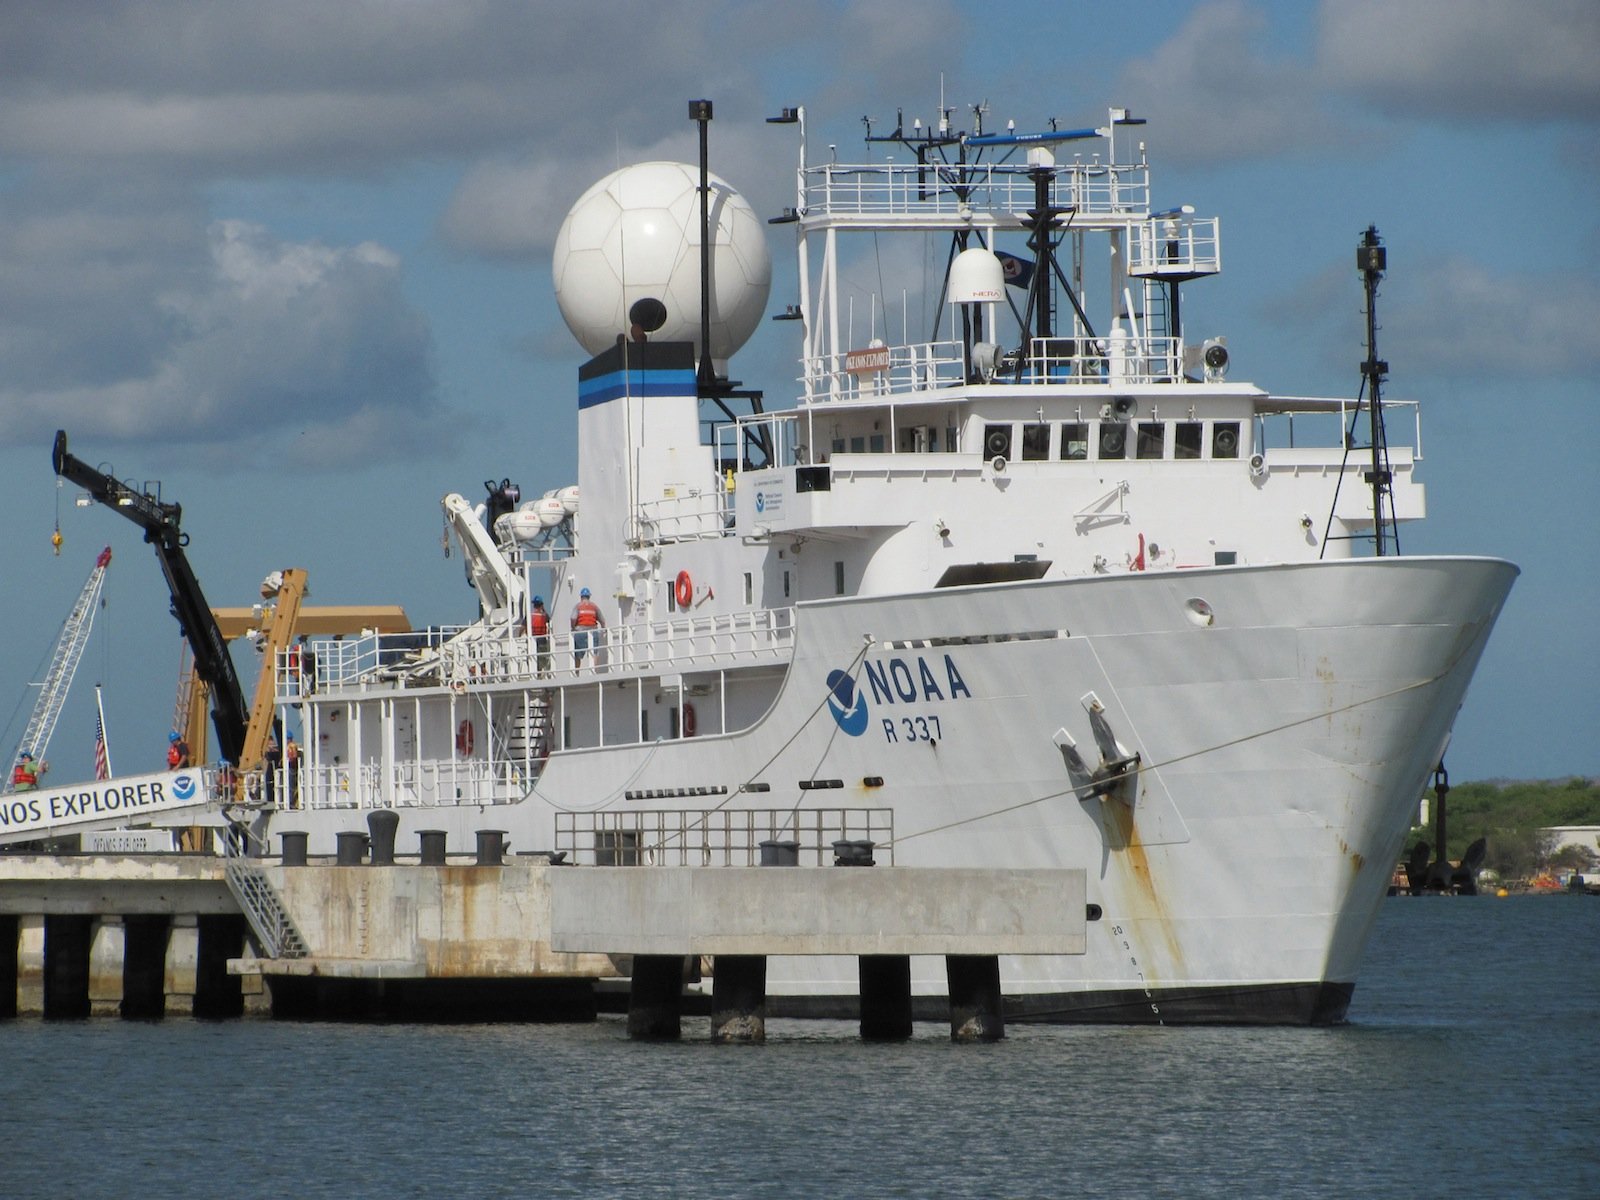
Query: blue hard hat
pixel 173 736
pixel 584 592
pixel 538 599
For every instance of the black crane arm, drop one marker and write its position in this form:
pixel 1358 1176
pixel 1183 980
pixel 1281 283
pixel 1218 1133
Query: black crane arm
pixel 161 523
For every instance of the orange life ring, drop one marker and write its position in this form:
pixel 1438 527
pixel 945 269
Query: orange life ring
pixel 688 719
pixel 683 591
pixel 464 738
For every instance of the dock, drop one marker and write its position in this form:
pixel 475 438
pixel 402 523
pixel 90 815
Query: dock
pixel 492 937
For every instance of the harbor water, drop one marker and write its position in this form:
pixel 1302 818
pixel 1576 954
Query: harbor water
pixel 1469 1066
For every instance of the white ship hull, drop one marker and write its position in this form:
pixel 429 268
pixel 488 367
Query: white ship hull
pixel 1281 750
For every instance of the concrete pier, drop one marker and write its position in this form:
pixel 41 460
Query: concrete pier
pixel 162 935
pixel 742 915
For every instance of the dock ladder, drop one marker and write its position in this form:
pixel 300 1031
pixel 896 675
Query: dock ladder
pixel 262 906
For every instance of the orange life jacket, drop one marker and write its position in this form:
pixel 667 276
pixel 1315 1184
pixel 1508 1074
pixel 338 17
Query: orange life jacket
pixel 24 776
pixel 539 622
pixel 173 757
pixel 586 615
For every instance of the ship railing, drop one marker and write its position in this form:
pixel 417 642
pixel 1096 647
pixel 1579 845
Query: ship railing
pixel 1119 358
pixel 698 513
pixel 954 191
pixel 1180 246
pixel 349 661
pixel 425 783
pixel 911 368
pixel 1313 422
pixel 679 643
pixel 722 837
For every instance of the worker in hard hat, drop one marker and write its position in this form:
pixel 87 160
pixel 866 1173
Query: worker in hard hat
pixel 177 752
pixel 586 626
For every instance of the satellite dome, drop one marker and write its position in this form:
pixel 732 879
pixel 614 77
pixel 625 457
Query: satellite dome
pixel 628 254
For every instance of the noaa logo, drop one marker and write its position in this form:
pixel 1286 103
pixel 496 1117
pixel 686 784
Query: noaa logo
pixel 183 787
pixel 848 706
pixel 761 502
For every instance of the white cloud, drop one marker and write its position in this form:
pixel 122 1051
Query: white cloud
pixel 1450 318
pixel 1216 94
pixel 1534 60
pixel 242 338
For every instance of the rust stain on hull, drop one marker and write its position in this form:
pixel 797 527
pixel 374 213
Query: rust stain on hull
pixel 1119 824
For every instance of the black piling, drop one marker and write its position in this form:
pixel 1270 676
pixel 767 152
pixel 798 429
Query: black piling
pixel 655 998
pixel 433 847
pixel 10 944
pixel 739 998
pixel 975 1005
pixel 144 966
pixel 885 997
pixel 351 847
pixel 67 941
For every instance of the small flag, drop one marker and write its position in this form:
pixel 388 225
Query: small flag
pixel 102 762
pixel 1018 271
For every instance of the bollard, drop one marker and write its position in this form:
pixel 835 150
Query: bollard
pixel 294 848
pixel 780 854
pixel 491 847
pixel 351 847
pixel 433 847
pixel 384 824
pixel 852 854
pixel 975 1006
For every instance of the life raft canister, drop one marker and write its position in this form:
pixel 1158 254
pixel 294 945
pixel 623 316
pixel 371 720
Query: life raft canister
pixel 464 738
pixel 688 719
pixel 683 590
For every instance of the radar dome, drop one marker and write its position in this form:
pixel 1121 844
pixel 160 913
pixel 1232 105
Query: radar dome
pixel 635 236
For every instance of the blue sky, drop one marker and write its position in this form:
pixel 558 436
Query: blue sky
pixel 292 261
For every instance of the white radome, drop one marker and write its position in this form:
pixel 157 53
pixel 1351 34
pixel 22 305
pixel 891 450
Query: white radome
pixel 636 235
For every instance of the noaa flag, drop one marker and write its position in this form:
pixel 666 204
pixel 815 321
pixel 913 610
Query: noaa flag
pixel 1018 271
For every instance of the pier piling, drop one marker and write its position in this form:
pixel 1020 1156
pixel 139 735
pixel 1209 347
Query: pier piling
pixel 885 997
pixel 975 1005
pixel 655 998
pixel 739 998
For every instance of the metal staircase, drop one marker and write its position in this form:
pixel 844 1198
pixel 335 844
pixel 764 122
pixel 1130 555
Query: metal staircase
pixel 262 906
pixel 63 665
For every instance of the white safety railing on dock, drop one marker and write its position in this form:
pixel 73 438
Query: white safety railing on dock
pixel 721 837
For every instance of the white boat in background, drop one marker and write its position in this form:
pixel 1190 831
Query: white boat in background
pixel 1035 584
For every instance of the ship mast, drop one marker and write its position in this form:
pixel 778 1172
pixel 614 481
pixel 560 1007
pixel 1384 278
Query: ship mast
pixel 1371 260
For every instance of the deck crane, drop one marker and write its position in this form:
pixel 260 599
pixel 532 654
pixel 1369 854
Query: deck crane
pixel 63 666
pixel 161 523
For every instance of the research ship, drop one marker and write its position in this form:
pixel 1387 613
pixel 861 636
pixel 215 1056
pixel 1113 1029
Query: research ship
pixel 1015 574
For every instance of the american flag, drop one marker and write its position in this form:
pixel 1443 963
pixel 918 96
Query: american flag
pixel 102 765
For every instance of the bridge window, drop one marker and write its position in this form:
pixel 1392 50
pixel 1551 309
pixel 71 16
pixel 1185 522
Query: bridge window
pixel 1035 443
pixel 1113 439
pixel 997 441
pixel 1152 439
pixel 1225 439
pixel 1075 441
pixel 838 578
pixel 1187 439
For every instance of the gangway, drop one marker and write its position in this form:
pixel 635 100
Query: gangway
pixel 63 666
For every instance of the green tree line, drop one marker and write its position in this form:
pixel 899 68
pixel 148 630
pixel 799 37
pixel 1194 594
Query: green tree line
pixel 1509 816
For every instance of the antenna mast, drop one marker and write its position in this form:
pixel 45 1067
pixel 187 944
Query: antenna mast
pixel 1371 260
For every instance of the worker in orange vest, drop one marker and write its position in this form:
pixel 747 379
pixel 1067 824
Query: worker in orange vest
pixel 539 627
pixel 586 626
pixel 25 775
